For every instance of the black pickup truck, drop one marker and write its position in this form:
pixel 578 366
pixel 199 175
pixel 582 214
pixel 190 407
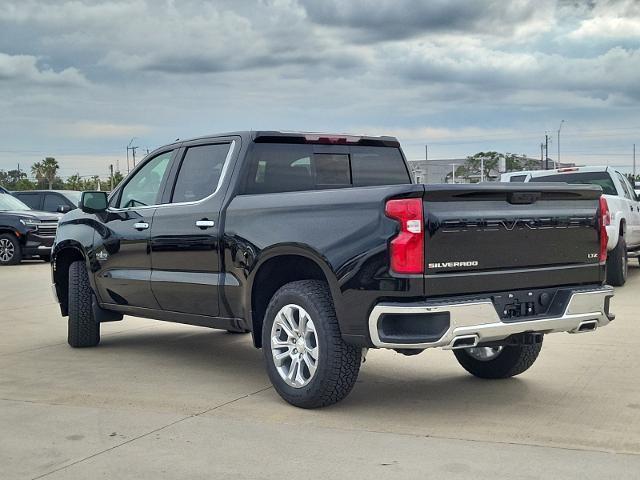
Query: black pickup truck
pixel 321 247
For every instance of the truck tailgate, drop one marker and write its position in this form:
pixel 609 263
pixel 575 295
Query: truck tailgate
pixel 488 237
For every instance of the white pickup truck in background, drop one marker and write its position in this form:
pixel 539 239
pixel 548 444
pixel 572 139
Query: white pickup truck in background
pixel 621 199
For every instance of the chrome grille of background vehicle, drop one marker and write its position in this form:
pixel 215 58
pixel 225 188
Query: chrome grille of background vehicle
pixel 48 229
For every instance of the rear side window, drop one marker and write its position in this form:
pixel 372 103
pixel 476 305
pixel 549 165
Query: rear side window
pixel 199 172
pixel 372 166
pixel 518 178
pixel 602 179
pixel 292 167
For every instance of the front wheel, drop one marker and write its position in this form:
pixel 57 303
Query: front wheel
pixel 617 264
pixel 307 361
pixel 84 329
pixel 498 362
pixel 10 251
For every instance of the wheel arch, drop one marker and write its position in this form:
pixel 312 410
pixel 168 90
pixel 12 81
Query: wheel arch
pixel 61 260
pixel 278 266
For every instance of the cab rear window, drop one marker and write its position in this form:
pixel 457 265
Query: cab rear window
pixel 276 168
pixel 602 179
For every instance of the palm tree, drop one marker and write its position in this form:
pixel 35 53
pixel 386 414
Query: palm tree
pixel 45 170
pixel 37 171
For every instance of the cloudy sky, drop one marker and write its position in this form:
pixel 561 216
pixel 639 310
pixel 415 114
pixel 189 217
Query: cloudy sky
pixel 79 79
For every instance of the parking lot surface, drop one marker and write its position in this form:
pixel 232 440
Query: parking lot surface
pixel 157 400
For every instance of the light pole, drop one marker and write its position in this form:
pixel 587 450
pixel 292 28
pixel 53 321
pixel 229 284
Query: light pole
pixel 559 128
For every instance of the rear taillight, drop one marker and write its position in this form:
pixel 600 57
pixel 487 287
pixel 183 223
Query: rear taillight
pixel 605 219
pixel 407 248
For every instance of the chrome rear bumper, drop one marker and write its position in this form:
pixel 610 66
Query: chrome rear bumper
pixel 476 322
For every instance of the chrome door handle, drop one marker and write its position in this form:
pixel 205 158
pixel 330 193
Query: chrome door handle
pixel 205 224
pixel 141 225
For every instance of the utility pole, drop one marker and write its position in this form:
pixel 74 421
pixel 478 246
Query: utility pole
pixel 481 169
pixel 634 161
pixel 133 150
pixel 111 177
pixel 542 156
pixel 546 151
pixel 453 172
pixel 559 128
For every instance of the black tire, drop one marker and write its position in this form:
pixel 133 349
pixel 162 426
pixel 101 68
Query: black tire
pixel 338 363
pixel 618 264
pixel 10 249
pixel 84 330
pixel 511 361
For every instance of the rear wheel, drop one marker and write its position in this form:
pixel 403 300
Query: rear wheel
pixel 307 361
pixel 498 362
pixel 617 264
pixel 10 251
pixel 84 329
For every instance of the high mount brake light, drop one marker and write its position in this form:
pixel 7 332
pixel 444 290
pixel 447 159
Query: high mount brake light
pixel 567 169
pixel 332 139
pixel 605 219
pixel 407 248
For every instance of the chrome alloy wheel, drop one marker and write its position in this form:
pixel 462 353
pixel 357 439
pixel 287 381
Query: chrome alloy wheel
pixel 7 250
pixel 484 354
pixel 294 345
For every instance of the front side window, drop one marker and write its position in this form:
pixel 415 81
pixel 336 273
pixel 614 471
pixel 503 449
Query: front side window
pixel 625 189
pixel 52 201
pixel 143 188
pixel 200 172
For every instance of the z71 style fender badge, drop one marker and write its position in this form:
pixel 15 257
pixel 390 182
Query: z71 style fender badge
pixel 102 255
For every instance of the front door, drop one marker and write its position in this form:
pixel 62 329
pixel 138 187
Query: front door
pixel 122 252
pixel 186 234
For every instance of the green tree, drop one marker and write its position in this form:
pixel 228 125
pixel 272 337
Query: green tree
pixel 74 182
pixel 25 184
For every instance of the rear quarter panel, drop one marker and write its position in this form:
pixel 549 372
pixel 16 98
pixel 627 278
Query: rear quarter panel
pixel 345 231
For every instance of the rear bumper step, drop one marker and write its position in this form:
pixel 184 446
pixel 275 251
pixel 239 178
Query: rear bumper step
pixel 473 323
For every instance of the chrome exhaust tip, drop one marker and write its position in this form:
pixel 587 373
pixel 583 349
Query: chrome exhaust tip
pixel 463 341
pixel 586 326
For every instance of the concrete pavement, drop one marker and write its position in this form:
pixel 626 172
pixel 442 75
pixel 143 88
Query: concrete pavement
pixel 157 400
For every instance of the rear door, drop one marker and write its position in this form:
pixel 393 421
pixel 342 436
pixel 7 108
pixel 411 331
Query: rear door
pixel 631 211
pixel 186 232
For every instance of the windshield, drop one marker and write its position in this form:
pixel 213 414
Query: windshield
pixel 74 197
pixel 9 202
pixel 602 179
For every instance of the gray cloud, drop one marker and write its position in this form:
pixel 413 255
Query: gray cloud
pixel 83 77
pixel 400 19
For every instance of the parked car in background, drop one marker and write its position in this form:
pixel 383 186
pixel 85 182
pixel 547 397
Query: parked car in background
pixel 621 199
pixel 24 232
pixel 321 246
pixel 58 201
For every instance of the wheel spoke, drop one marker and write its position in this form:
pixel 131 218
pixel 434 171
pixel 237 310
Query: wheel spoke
pixel 312 352
pixel 310 363
pixel 279 358
pixel 287 313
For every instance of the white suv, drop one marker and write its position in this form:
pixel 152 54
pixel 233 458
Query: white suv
pixel 624 209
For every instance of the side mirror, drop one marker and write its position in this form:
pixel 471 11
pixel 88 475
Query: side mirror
pixel 93 202
pixel 63 209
